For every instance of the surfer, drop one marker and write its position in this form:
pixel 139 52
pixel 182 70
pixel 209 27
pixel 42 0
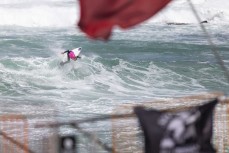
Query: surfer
pixel 70 55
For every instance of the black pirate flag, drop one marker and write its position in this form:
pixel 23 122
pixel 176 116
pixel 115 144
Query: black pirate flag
pixel 187 131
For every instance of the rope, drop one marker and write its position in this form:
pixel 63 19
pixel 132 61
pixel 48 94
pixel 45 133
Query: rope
pixel 213 47
pixel 89 120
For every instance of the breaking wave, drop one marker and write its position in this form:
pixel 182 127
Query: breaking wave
pixel 65 13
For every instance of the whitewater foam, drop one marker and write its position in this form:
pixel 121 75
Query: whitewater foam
pixel 179 11
pixel 62 13
pixel 43 13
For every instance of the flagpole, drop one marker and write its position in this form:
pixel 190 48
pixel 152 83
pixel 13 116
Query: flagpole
pixel 212 45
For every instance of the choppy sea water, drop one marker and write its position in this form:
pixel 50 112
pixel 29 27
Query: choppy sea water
pixel 152 60
pixel 147 62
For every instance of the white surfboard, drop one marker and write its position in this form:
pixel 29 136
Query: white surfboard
pixel 76 52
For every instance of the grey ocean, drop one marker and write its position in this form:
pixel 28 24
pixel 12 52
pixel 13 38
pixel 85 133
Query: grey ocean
pixel 151 60
pixel 140 64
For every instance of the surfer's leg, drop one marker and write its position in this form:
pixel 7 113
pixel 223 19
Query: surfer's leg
pixel 68 60
pixel 68 57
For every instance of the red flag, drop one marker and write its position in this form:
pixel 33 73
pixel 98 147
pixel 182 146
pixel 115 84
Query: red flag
pixel 99 16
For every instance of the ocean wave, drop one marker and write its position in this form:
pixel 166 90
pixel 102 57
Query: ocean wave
pixel 43 13
pixel 116 77
pixel 179 11
pixel 62 13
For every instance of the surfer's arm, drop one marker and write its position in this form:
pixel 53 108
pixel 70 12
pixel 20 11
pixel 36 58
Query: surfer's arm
pixel 67 51
pixel 76 58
